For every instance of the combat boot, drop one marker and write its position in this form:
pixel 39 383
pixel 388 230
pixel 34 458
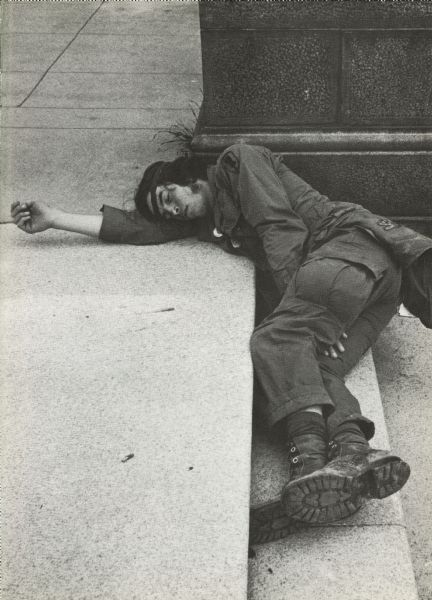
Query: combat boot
pixel 379 472
pixel 354 474
pixel 348 439
pixel 307 453
pixel 269 521
pixel 307 448
pixel 308 456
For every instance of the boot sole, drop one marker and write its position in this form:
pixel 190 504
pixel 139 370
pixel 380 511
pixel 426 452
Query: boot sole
pixel 269 523
pixel 385 478
pixel 324 497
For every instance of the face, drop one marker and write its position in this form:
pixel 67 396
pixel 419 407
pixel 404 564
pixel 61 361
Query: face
pixel 182 202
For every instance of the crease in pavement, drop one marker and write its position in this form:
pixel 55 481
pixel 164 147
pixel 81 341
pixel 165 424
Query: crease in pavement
pixel 60 55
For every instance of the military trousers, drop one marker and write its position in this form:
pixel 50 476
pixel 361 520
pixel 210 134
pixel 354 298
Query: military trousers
pixel 325 298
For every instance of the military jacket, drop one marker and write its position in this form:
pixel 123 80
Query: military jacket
pixel 265 211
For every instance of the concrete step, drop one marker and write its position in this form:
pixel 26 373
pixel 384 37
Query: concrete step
pixel 363 557
pixel 126 406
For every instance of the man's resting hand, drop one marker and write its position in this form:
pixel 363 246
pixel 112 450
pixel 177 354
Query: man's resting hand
pixel 336 349
pixel 32 217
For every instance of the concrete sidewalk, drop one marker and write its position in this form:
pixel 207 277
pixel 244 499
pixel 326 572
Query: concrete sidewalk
pixel 126 399
pixel 126 411
pixel 86 86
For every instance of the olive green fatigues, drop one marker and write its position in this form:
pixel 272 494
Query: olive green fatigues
pixel 322 268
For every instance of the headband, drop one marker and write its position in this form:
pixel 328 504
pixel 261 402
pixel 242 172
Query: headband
pixel 153 186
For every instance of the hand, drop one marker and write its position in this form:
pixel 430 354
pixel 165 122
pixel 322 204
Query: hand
pixel 32 217
pixel 333 351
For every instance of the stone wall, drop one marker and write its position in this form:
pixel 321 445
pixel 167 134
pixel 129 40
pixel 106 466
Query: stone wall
pixel 342 89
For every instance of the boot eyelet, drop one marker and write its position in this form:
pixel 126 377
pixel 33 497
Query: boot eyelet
pixel 295 460
pixel 293 449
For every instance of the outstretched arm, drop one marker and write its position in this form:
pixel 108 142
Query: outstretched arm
pixel 111 225
pixel 34 217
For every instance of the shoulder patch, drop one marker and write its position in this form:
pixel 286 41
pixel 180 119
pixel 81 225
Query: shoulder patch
pixel 386 224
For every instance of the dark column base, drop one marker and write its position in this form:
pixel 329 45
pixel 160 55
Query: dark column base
pixel 389 173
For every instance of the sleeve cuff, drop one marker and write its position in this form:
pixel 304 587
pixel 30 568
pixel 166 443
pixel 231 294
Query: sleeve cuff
pixel 124 227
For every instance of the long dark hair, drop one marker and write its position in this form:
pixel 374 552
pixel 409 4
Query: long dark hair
pixel 184 170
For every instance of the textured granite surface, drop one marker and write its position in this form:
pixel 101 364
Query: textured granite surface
pixel 387 78
pixel 269 79
pixel 387 183
pixel 310 140
pixel 310 15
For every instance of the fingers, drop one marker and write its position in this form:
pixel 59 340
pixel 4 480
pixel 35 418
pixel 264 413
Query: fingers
pixel 24 222
pixel 331 352
pixel 17 208
pixel 334 351
pixel 21 216
pixel 340 347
